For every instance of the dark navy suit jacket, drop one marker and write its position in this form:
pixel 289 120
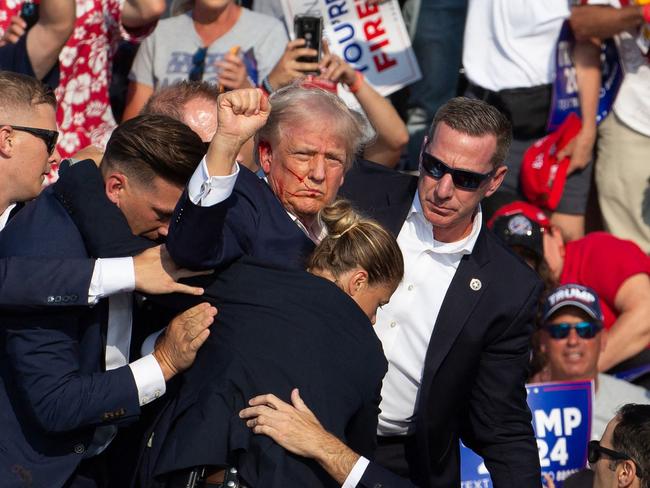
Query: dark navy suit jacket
pixel 251 222
pixel 53 392
pixel 276 329
pixel 476 364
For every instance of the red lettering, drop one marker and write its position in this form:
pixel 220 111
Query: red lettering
pixel 373 29
pixel 382 62
pixel 364 10
pixel 383 43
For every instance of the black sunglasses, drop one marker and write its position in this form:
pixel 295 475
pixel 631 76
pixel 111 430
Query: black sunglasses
pixel 586 330
pixel 595 451
pixel 198 64
pixel 467 180
pixel 49 137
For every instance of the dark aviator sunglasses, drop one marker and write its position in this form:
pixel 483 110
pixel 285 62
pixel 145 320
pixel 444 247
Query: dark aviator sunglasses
pixel 586 330
pixel 49 137
pixel 462 178
pixel 595 451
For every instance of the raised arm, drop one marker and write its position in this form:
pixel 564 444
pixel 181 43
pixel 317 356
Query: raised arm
pixel 138 13
pixel 602 22
pixel 48 36
pixel 391 131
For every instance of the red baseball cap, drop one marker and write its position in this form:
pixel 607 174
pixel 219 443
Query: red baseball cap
pixel 532 212
pixel 542 175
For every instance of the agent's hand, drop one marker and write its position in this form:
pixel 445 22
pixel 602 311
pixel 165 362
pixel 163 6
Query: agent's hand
pixel 288 68
pixel 176 348
pixel 15 31
pixel 157 274
pixel 232 72
pixel 294 427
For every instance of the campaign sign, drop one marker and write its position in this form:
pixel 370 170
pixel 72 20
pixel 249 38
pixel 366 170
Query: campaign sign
pixel 372 38
pixel 565 87
pixel 562 424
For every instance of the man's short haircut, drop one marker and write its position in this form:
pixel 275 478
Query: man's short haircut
pixel 296 106
pixel 170 100
pixel 631 436
pixel 19 91
pixel 150 146
pixel 476 118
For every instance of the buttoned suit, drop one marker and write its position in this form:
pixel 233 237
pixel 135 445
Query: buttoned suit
pixel 53 391
pixel 476 362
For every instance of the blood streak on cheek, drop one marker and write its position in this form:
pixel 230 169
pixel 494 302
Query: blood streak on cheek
pixel 301 179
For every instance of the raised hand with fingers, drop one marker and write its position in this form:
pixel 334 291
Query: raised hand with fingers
pixel 176 348
pixel 241 113
pixel 157 274
pixel 335 69
pixel 17 29
pixel 232 72
pixel 289 68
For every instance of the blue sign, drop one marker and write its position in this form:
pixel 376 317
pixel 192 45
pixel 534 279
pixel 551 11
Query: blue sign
pixel 562 415
pixel 565 87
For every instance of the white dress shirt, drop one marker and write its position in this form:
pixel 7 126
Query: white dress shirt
pixel 4 216
pixel 405 325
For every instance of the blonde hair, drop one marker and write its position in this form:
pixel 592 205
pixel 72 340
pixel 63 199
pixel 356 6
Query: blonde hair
pixel 355 241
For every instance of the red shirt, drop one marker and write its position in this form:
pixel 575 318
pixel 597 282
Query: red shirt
pixel 603 262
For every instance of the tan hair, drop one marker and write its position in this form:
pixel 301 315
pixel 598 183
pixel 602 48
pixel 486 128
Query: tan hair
pixel 150 146
pixel 476 118
pixel 171 99
pixel 294 105
pixel 355 241
pixel 19 91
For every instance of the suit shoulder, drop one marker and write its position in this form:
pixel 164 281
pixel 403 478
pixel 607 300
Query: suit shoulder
pixel 506 259
pixel 42 228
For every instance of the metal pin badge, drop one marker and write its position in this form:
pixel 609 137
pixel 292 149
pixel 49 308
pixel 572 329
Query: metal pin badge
pixel 475 284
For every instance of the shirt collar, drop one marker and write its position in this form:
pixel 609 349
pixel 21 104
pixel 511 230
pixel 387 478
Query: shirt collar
pixel 4 216
pixel 463 246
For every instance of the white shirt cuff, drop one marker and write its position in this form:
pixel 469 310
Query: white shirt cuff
pixel 206 190
pixel 149 379
pixel 356 474
pixel 150 342
pixel 111 276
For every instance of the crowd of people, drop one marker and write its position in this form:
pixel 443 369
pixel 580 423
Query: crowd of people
pixel 220 274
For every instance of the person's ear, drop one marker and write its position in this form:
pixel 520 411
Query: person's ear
pixel 115 184
pixel 496 180
pixel 265 155
pixel 625 473
pixel 357 281
pixel 6 141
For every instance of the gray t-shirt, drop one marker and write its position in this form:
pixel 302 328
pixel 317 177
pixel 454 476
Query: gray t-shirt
pixel 612 394
pixel 166 56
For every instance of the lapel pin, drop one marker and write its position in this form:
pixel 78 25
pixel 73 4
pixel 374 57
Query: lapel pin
pixel 475 284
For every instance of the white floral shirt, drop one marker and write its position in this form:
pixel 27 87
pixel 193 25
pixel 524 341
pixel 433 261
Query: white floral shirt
pixel 84 113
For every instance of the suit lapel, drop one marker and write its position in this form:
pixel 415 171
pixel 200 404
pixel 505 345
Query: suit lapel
pixel 462 296
pixel 15 210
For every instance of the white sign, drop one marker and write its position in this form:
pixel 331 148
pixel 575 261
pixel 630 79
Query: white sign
pixel 372 38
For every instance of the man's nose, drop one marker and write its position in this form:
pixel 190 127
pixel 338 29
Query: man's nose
pixel 573 336
pixel 445 187
pixel 317 169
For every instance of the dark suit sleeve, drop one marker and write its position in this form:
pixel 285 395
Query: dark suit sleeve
pixel 44 282
pixel 377 477
pixel 215 236
pixel 361 431
pixel 44 359
pixel 500 423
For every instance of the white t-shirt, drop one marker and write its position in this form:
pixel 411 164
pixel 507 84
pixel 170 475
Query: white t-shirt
pixel 632 104
pixel 511 43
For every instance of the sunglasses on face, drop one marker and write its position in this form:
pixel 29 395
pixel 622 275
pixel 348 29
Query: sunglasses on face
pixel 49 137
pixel 595 451
pixel 467 180
pixel 586 330
pixel 198 64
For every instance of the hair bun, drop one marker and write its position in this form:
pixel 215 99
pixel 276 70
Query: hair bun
pixel 339 218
